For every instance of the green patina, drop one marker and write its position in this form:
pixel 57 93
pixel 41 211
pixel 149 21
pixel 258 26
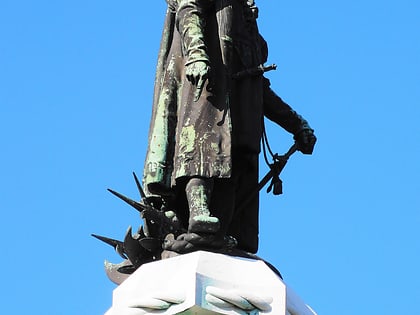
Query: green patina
pixel 188 139
pixel 157 168
pixel 199 201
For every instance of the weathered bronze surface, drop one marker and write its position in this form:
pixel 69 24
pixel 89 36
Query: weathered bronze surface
pixel 212 49
pixel 210 99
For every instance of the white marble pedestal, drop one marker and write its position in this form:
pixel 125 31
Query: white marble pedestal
pixel 205 283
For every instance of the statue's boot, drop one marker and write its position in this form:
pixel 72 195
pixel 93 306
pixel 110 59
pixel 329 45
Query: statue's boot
pixel 198 191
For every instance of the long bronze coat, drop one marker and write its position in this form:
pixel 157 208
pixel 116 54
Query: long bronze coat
pixel 219 135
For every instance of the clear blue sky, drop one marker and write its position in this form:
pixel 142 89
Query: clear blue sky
pixel 76 81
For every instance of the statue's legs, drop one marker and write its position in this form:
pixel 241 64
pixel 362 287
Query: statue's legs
pixel 244 224
pixel 198 191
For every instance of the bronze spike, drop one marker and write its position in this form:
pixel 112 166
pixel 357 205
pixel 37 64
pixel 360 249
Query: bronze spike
pixel 137 205
pixel 141 191
pixel 118 245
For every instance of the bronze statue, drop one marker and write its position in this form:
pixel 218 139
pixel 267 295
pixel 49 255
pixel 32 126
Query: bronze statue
pixel 210 99
pixel 201 169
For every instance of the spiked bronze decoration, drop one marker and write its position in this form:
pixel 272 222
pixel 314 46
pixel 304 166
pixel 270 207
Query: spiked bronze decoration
pixel 145 245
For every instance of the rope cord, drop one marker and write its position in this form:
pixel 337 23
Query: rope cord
pixel 266 145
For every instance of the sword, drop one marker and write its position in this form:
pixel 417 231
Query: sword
pixel 275 169
pixel 258 70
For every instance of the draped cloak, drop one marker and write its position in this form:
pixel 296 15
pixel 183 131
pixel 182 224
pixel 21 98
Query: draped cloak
pixel 208 137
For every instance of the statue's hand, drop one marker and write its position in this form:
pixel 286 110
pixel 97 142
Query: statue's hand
pixel 305 140
pixel 197 73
